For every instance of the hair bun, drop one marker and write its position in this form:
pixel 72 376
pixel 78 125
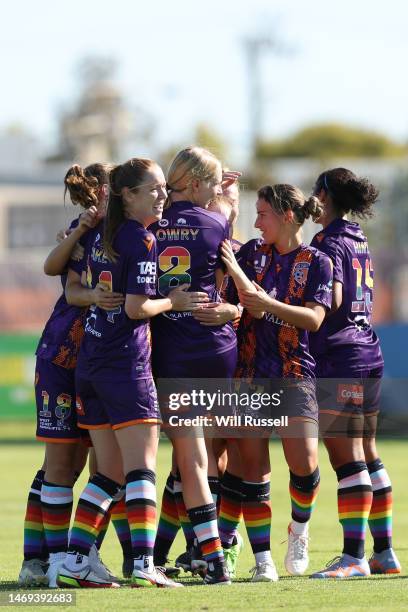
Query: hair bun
pixel 312 208
pixel 83 188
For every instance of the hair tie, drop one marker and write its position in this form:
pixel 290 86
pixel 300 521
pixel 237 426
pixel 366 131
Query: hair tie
pixel 325 182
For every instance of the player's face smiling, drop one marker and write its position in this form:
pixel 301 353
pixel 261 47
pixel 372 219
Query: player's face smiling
pixel 268 222
pixel 146 203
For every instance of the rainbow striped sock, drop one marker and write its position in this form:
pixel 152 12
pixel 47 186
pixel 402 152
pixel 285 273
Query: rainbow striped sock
pixel 303 493
pixel 103 528
pixel 204 521
pixel 141 512
pixel 169 523
pixel 230 513
pixel 184 519
pixel 120 522
pixel 35 546
pixel 256 508
pixel 354 496
pixel 56 504
pixel 93 505
pixel 380 517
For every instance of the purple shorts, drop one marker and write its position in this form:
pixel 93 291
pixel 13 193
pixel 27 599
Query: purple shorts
pixel 55 400
pixel 110 404
pixel 346 392
pixel 221 365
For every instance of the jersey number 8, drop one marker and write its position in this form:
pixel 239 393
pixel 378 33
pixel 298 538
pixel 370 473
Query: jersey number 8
pixel 174 262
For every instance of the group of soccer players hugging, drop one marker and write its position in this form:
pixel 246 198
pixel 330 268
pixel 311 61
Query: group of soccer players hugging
pixel 155 287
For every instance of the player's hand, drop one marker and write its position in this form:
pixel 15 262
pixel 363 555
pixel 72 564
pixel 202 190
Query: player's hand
pixel 228 257
pixel 215 313
pixel 255 301
pixel 229 177
pixel 184 300
pixel 105 299
pixel 62 234
pixel 88 219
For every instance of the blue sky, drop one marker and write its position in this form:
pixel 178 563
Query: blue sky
pixel 183 61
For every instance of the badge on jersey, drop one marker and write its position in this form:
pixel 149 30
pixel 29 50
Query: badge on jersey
pixel 300 272
pixel 148 241
pixel 261 262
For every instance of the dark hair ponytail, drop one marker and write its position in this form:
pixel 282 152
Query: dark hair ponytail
pixel 83 184
pixel 131 175
pixel 348 193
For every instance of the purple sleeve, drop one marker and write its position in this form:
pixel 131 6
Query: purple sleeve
pixel 333 248
pixel 319 281
pixel 142 268
pixel 74 223
pixel 220 264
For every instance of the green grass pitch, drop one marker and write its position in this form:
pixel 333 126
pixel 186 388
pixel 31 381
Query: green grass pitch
pixel 19 461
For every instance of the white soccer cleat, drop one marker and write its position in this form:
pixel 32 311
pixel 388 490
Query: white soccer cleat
pixel 33 573
pixel 265 571
pixel 155 578
pixel 98 566
pixel 52 573
pixel 297 556
pixel 85 578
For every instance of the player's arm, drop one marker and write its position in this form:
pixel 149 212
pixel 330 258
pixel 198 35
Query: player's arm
pixel 309 317
pixel 219 278
pixel 317 296
pixel 337 297
pixel 143 307
pixel 216 313
pixel 59 257
pixel 333 249
pixel 77 294
pixel 241 281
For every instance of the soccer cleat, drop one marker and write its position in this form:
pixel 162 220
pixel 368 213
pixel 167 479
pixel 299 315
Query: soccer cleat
pixel 98 566
pixel 33 573
pixel 345 566
pixel 231 555
pixel 183 561
pixel 264 571
pixel 85 578
pixel 297 557
pixel 53 571
pixel 217 574
pixel 169 570
pixel 156 578
pixel 385 562
pixel 127 567
pixel 192 561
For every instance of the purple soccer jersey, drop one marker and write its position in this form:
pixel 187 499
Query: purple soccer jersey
pixel 188 240
pixel 346 337
pixel 116 347
pixel 270 347
pixel 64 330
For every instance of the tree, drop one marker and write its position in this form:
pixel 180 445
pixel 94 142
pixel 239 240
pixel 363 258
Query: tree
pixel 331 140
